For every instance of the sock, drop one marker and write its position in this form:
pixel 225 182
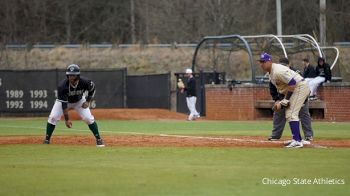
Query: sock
pixel 93 127
pixel 49 130
pixel 294 127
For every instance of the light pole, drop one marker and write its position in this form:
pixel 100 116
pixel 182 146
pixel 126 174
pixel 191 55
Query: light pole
pixel 279 17
pixel 323 28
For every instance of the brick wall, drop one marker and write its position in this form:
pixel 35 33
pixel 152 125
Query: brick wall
pixel 238 104
pixel 337 99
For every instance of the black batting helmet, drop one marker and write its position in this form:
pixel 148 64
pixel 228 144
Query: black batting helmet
pixel 73 69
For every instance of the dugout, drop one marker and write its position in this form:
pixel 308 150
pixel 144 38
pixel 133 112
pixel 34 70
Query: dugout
pixel 248 101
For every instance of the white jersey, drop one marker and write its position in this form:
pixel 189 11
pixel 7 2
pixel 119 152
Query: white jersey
pixel 281 75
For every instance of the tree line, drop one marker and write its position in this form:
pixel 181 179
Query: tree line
pixel 162 21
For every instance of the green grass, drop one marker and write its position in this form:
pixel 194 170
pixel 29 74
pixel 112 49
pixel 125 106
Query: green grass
pixel 87 170
pixel 109 127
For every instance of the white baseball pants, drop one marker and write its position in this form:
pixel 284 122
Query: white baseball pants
pixel 314 83
pixel 191 104
pixel 84 113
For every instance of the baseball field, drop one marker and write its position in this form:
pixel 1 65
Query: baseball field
pixel 171 157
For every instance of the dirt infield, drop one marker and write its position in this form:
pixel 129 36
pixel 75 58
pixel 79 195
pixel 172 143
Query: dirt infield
pixel 169 141
pixel 131 114
pixel 162 140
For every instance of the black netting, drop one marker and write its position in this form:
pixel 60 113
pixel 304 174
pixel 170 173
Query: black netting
pixel 35 91
pixel 231 56
pixel 148 91
pixel 228 55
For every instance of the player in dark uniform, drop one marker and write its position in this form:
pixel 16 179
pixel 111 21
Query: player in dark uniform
pixel 191 95
pixel 71 96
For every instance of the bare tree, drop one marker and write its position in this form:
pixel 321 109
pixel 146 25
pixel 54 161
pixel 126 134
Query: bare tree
pixel 164 21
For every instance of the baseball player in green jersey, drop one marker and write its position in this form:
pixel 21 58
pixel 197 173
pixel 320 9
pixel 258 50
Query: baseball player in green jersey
pixel 71 96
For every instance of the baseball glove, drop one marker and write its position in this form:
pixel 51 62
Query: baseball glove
pixel 277 106
pixel 180 84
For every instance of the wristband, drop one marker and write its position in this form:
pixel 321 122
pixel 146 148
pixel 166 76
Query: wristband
pixel 289 94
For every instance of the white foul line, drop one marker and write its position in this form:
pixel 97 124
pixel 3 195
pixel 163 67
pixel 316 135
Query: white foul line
pixel 218 138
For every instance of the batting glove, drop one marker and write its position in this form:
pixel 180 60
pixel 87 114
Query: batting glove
pixel 284 102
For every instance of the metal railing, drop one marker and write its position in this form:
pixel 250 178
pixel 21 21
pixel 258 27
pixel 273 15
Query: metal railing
pixel 51 46
pixel 270 36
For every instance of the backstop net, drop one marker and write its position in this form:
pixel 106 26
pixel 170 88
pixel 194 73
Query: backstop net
pixel 228 54
pixel 237 56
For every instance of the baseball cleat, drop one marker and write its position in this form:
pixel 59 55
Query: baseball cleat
pixel 271 138
pixel 46 142
pixel 191 119
pixel 286 143
pixel 99 143
pixel 295 144
pixel 309 138
pixel 305 142
pixel 313 98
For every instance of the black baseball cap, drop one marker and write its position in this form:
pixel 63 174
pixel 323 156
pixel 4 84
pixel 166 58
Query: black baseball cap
pixel 284 61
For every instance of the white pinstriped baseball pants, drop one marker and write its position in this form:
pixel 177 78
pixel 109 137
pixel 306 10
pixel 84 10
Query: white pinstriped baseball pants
pixel 300 94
